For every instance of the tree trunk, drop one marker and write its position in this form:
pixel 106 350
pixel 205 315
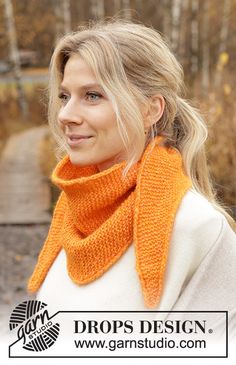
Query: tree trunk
pixel 126 7
pixel 15 57
pixel 205 48
pixel 166 23
pixel 59 26
pixel 117 5
pixel 183 37
pixel 176 13
pixel 97 9
pixel 139 6
pixel 194 37
pixel 66 16
pixel 223 42
pixel 63 18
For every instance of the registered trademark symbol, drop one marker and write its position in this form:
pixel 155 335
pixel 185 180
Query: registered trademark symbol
pixel 210 330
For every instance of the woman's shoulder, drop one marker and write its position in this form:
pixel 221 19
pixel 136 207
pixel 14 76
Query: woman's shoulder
pixel 198 228
pixel 197 203
pixel 198 216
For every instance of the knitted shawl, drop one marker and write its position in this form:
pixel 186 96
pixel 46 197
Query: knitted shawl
pixel 100 214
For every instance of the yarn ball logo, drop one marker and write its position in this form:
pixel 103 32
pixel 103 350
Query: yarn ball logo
pixel 34 325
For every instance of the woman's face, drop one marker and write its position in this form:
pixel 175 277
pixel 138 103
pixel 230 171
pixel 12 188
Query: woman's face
pixel 86 111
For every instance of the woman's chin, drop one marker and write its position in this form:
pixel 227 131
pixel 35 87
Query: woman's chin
pixel 78 161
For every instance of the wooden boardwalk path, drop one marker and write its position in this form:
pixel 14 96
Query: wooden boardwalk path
pixel 24 192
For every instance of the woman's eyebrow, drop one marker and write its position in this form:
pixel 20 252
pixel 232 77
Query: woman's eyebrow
pixel 83 87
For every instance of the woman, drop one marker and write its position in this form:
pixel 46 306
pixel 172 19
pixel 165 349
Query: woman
pixel 137 224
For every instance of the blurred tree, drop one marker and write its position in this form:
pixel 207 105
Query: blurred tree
pixel 139 5
pixel 184 42
pixel 117 5
pixel 205 48
pixel 40 35
pixel 97 9
pixel 62 17
pixel 126 6
pixel 67 16
pixel 58 20
pixel 194 38
pixel 223 43
pixel 175 29
pixel 166 18
pixel 14 57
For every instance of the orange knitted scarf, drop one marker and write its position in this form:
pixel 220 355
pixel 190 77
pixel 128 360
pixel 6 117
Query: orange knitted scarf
pixel 99 214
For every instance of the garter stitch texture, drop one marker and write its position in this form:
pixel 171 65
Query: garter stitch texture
pixel 99 214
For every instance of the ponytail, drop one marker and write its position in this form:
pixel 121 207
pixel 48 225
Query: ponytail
pixel 189 136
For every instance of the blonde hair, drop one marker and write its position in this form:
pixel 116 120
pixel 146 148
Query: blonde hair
pixel 132 62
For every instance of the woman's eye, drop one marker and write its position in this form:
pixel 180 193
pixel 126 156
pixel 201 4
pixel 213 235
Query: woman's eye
pixel 93 96
pixel 64 98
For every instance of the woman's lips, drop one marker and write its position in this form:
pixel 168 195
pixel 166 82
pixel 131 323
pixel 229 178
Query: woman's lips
pixel 72 142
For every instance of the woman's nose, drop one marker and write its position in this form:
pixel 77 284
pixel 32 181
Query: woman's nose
pixel 69 114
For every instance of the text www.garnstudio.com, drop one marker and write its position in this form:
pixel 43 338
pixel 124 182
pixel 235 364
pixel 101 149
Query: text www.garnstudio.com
pixel 146 343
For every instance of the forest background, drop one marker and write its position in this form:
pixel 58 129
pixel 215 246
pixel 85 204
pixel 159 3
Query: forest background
pixel 201 33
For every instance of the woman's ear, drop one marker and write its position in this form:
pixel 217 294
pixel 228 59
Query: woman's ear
pixel 154 110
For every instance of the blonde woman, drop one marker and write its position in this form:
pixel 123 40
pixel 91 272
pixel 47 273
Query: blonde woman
pixel 137 225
